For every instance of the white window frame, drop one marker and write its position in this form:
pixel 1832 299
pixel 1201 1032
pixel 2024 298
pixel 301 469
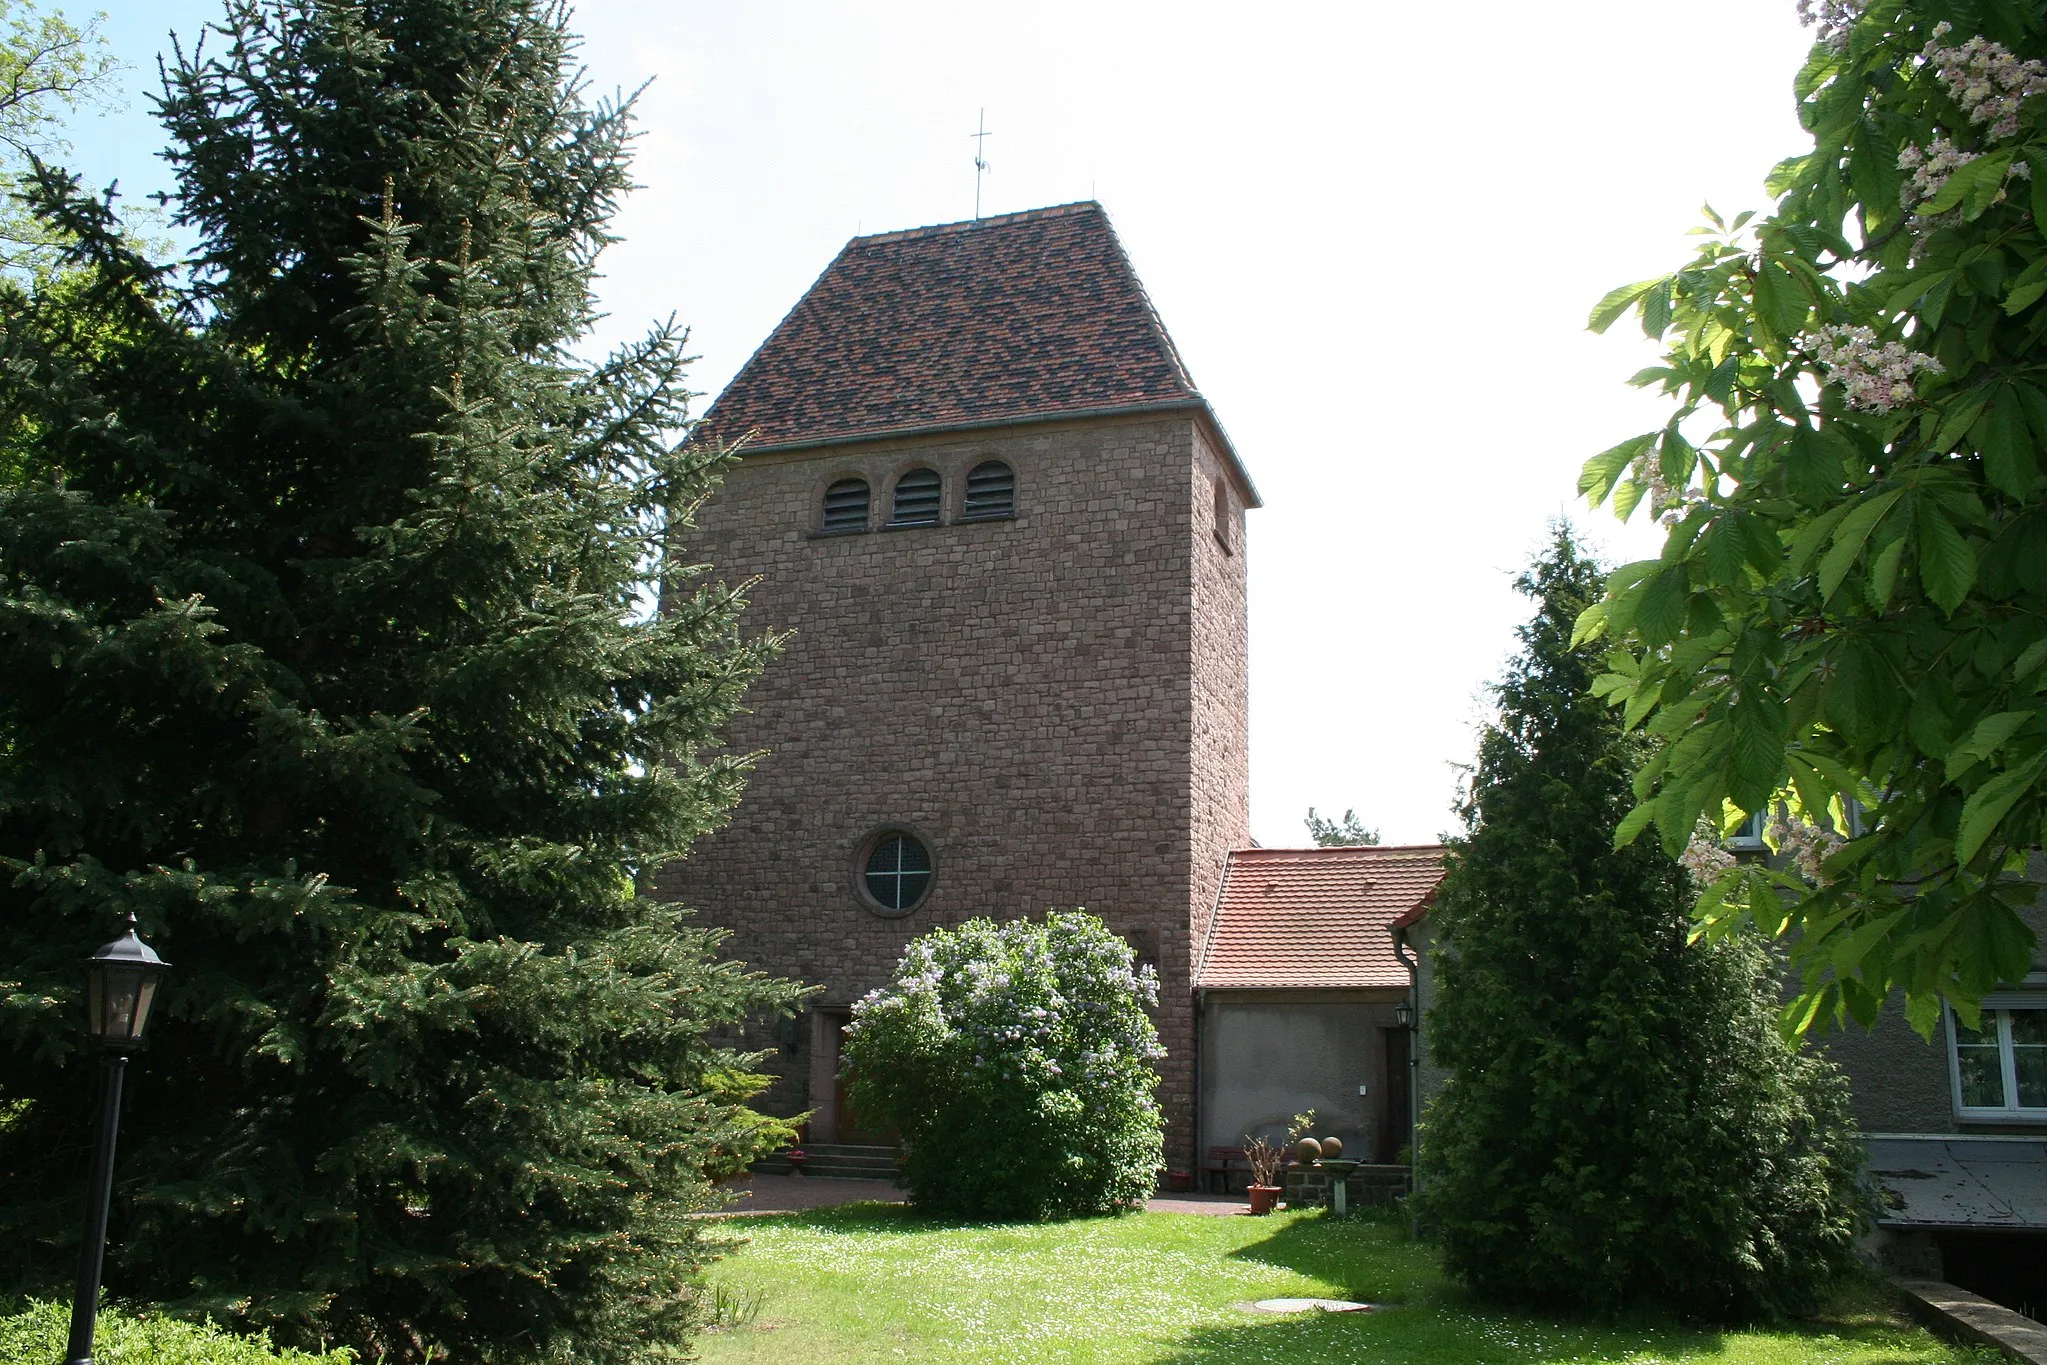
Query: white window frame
pixel 2031 996
pixel 1749 837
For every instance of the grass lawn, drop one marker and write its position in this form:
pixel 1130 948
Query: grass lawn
pixel 878 1282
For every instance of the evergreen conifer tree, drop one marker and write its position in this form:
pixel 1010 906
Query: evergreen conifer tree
pixel 1622 1122
pixel 326 651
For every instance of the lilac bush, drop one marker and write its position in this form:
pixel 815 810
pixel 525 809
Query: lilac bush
pixel 1016 1061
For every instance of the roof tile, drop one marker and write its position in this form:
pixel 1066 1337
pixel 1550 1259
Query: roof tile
pixel 1315 918
pixel 1031 314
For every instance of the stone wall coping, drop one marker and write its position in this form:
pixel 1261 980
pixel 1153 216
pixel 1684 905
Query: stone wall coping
pixel 1972 1318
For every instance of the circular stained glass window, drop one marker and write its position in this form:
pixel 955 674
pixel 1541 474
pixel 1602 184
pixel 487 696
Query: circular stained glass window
pixel 898 872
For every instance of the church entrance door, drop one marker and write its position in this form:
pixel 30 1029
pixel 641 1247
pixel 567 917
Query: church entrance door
pixel 851 1127
pixel 834 1119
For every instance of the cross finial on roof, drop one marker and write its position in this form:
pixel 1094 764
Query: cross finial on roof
pixel 980 158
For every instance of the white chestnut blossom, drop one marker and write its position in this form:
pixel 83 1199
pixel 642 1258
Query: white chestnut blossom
pixel 1931 166
pixel 1808 845
pixel 1833 18
pixel 1986 79
pixel 1873 377
pixel 1705 857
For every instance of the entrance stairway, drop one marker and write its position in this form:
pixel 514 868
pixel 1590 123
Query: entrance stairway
pixel 835 1161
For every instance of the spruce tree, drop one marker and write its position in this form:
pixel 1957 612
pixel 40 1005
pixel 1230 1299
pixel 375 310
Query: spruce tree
pixel 327 650
pixel 1622 1122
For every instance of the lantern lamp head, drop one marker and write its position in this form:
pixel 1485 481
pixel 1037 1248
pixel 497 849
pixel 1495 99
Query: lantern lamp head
pixel 120 990
pixel 1403 1013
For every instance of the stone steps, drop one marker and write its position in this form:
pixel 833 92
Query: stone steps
pixel 835 1161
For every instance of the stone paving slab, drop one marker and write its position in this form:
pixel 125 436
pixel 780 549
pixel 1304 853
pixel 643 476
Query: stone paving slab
pixel 1973 1318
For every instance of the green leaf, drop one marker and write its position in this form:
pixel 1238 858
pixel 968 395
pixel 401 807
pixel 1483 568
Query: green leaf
pixel 1618 301
pixel 1985 740
pixel 1922 1012
pixel 1947 567
pixel 1656 311
pixel 1883 578
pixel 1988 804
pixel 1597 479
pixel 1660 612
pixel 1758 751
pixel 1812 536
pixel 2003 437
pixel 1873 170
pixel 1788 172
pixel 1848 541
pixel 1633 823
pixel 1627 496
pixel 1590 625
pixel 1972 188
pixel 1957 415
pixel 1913 287
pixel 2035 654
pixel 1780 303
pixel 2026 290
pixel 1846 953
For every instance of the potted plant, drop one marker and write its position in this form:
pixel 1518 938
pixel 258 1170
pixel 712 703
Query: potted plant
pixel 1265 1161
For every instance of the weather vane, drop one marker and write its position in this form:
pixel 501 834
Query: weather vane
pixel 980 159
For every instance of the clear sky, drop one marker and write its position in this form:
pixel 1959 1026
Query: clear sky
pixel 1373 230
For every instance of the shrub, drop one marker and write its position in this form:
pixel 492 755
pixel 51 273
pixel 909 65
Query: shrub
pixel 1622 1123
pixel 1016 1061
pixel 39 1333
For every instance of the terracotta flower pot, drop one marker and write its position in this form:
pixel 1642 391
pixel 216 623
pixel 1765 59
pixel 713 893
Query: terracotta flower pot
pixel 1263 1197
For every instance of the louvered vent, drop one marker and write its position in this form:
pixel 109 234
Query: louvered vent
pixel 916 499
pixel 991 492
pixel 845 506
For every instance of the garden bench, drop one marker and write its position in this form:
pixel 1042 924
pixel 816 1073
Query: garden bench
pixel 1222 1164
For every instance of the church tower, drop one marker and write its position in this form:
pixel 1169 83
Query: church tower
pixel 1007 534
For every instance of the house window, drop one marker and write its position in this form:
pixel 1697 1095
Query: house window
pixel 916 499
pixel 2000 1068
pixel 1222 514
pixel 897 871
pixel 845 506
pixel 1748 836
pixel 991 492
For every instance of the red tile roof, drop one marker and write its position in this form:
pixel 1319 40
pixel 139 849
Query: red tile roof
pixel 1025 315
pixel 1315 917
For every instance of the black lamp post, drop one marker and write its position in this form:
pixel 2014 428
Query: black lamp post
pixel 120 990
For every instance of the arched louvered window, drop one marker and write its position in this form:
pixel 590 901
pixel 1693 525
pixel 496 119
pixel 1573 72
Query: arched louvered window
pixel 916 499
pixel 991 492
pixel 845 506
pixel 1222 514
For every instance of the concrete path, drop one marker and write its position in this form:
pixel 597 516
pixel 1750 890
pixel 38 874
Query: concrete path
pixel 1972 1318
pixel 799 1193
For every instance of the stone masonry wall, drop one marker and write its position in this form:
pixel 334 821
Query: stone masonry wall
pixel 1015 693
pixel 1221 797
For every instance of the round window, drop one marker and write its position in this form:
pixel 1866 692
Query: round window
pixel 898 872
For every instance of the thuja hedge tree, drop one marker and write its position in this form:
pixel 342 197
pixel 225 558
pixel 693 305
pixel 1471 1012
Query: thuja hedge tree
pixel 1851 603
pixel 323 619
pixel 1622 1122
pixel 1016 1061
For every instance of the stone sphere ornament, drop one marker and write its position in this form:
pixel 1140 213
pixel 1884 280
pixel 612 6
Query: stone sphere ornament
pixel 1332 1147
pixel 1308 1150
